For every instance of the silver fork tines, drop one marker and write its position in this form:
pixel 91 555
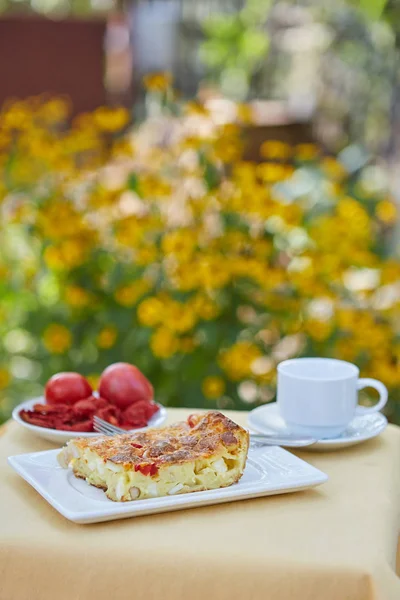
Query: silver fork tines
pixel 106 428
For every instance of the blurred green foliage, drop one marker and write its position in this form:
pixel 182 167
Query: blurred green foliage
pixel 235 47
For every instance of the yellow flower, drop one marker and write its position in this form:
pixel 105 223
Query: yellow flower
pixel 235 242
pixel 290 213
pixel 386 212
pixel 102 197
pixel 227 148
pixel 163 343
pixel 107 337
pixel 84 122
pixel 231 130
pixel 237 361
pixel 385 370
pixel 352 212
pixel 5 140
pixel 273 172
pixel 80 141
pixel 24 171
pixel 146 255
pixel 261 248
pixel 3 187
pixel 196 108
pixel 252 268
pixel 157 82
pixel 55 110
pixel 319 330
pixel 274 149
pixel 333 168
pixel 77 297
pixel 5 378
pixel 244 171
pixel 152 186
pixel 128 295
pixel 17 116
pixel 213 271
pixel 347 318
pixel 204 307
pixel 111 119
pixel 123 147
pixel 191 142
pixel 245 114
pixel 306 151
pixel 73 252
pixel 181 243
pixel 53 258
pixel 151 312
pixel 213 387
pixel 390 271
pixel 93 379
pixel 187 345
pixel 57 338
pixel 129 231
pixel 184 277
pixel 59 219
pixel 344 350
pixel 179 317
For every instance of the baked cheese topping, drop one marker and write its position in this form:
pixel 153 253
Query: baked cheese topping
pixel 206 452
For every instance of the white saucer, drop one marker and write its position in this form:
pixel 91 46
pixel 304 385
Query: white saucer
pixel 266 419
pixel 61 437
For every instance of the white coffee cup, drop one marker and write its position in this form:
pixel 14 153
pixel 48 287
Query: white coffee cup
pixel 319 396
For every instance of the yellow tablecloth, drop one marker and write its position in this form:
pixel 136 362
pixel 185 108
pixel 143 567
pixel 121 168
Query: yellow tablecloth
pixel 336 542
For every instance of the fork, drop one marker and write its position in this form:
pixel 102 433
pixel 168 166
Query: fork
pixel 258 439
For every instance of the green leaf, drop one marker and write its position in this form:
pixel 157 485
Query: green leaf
pixel 373 9
pixel 253 45
pixel 255 11
pixel 211 174
pixel 214 53
pixel 133 183
pixel 222 27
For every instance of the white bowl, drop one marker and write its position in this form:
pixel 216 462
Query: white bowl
pixel 61 437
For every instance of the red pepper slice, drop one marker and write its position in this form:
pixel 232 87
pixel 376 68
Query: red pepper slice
pixel 154 470
pixel 193 420
pixel 150 469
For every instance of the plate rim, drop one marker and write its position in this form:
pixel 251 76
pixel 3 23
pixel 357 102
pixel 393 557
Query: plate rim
pixel 62 433
pixel 117 510
pixel 325 443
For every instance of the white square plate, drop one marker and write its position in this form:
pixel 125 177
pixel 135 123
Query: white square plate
pixel 269 470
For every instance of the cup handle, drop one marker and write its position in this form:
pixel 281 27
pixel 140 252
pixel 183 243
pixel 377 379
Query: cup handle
pixel 383 396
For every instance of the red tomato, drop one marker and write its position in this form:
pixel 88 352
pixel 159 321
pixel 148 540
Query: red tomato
pixel 109 413
pixel 139 412
pixel 123 384
pixel 80 426
pixel 85 408
pixel 67 388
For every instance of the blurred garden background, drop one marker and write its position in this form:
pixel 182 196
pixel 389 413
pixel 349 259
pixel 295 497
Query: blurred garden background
pixel 202 188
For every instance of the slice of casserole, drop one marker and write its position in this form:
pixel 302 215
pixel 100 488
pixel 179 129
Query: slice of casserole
pixel 206 452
